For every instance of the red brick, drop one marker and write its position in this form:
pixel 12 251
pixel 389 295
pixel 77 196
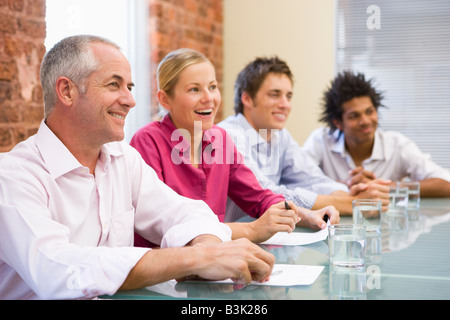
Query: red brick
pixel 13 46
pixel 9 114
pixel 7 23
pixel 8 69
pixel 36 8
pixel 22 36
pixel 16 5
pixel 5 139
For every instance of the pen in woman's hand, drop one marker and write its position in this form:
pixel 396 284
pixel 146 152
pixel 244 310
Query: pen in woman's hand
pixel 287 206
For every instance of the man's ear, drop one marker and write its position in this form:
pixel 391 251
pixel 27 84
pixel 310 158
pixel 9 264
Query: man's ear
pixel 65 90
pixel 337 123
pixel 246 100
pixel 164 100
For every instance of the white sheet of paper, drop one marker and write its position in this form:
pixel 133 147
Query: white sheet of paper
pixel 297 238
pixel 168 288
pixel 286 275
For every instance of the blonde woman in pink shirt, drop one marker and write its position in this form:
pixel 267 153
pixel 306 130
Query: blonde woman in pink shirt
pixel 199 160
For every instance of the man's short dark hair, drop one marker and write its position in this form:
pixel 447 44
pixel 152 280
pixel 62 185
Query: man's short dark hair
pixel 253 75
pixel 346 86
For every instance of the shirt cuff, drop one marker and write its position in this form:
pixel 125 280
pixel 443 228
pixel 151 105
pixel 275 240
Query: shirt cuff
pixel 114 265
pixel 180 235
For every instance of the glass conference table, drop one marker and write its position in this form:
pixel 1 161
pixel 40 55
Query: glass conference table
pixel 410 263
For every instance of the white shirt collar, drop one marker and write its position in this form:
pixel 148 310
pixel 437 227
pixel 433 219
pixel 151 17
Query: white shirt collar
pixel 378 151
pixel 56 156
pixel 338 145
pixel 59 159
pixel 254 137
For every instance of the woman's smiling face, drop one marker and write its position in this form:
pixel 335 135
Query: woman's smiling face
pixel 196 97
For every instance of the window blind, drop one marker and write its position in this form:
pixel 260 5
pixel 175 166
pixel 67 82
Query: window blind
pixel 404 45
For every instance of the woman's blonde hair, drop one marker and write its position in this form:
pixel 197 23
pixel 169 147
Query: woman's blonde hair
pixel 173 64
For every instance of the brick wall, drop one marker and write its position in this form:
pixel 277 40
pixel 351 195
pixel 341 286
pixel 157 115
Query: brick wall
pixel 195 24
pixel 22 36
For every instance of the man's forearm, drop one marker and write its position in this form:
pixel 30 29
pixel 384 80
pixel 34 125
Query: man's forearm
pixel 343 203
pixel 434 187
pixel 160 265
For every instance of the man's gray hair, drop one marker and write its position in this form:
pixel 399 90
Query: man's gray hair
pixel 73 58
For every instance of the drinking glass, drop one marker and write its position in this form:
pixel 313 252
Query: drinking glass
pixel 413 198
pixel 347 244
pixel 398 195
pixel 413 193
pixel 367 212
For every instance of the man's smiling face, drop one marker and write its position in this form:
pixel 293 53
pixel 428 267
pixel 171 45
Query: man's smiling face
pixel 272 104
pixel 107 98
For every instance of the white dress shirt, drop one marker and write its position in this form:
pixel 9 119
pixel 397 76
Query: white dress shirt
pixel 279 165
pixel 394 157
pixel 65 233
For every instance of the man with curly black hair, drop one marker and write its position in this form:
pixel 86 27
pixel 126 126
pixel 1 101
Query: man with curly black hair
pixel 354 149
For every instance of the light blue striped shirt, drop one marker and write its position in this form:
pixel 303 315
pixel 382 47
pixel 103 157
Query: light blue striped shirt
pixel 280 165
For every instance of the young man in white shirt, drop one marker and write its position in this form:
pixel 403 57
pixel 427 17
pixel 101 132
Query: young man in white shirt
pixel 72 196
pixel 263 93
pixel 352 148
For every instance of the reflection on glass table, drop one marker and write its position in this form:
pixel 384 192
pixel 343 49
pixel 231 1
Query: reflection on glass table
pixel 405 260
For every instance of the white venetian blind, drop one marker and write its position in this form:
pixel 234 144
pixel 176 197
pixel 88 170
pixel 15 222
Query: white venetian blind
pixel 405 46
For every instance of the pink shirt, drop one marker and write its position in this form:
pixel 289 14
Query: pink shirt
pixel 220 173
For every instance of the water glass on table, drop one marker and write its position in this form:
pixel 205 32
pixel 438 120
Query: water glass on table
pixel 413 198
pixel 398 195
pixel 413 193
pixel 347 245
pixel 367 212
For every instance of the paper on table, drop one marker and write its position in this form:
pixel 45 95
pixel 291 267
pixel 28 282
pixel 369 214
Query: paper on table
pixel 168 288
pixel 297 238
pixel 288 275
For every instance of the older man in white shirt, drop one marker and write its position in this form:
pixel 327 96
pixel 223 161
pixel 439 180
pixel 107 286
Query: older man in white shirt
pixel 354 149
pixel 72 196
